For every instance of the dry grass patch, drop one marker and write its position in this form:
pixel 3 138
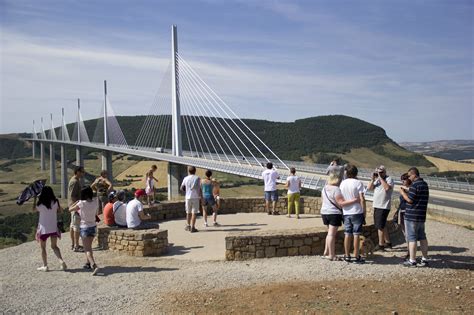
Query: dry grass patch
pixel 447 165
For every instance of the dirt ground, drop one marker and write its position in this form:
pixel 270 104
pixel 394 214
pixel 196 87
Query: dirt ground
pixel 453 294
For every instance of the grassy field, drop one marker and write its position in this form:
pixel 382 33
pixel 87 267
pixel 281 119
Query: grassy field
pixel 447 165
pixel 366 158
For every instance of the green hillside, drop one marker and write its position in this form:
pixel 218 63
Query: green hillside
pixel 317 138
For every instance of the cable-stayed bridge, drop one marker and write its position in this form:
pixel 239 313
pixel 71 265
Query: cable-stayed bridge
pixel 187 124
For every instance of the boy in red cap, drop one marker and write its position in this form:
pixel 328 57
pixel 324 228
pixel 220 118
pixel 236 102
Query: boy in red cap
pixel 135 213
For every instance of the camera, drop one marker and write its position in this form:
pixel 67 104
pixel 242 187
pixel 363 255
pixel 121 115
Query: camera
pixel 376 174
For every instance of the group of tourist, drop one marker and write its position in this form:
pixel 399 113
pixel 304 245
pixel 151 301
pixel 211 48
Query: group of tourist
pixel 343 202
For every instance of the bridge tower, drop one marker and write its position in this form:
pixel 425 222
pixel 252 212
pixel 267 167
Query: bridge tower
pixel 42 161
pixel 176 172
pixel 52 160
pixel 64 181
pixel 33 143
pixel 106 155
pixel 79 157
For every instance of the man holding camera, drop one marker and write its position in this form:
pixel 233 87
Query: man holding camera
pixel 382 185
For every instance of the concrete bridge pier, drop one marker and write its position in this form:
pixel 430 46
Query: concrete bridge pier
pixel 42 161
pixel 52 165
pixel 176 174
pixel 107 163
pixel 79 157
pixel 64 181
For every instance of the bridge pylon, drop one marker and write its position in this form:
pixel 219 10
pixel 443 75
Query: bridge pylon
pixel 106 155
pixel 42 155
pixel 64 182
pixel 79 157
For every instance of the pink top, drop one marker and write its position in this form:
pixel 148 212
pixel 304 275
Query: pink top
pixel 47 219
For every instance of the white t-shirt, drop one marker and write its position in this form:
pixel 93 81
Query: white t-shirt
pixel 351 188
pixel 120 213
pixel 88 211
pixel 331 192
pixel 133 207
pixel 192 183
pixel 47 219
pixel 270 177
pixel 293 184
pixel 382 198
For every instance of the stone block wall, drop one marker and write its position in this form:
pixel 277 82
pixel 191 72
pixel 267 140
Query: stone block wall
pixel 151 242
pixel 267 244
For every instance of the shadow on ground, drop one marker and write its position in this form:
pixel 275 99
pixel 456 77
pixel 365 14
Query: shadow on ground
pixel 109 270
pixel 437 260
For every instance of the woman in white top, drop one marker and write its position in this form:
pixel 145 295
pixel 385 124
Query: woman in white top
pixel 87 208
pixel 293 184
pixel 331 212
pixel 48 208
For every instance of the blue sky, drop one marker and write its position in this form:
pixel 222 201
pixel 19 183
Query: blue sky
pixel 406 66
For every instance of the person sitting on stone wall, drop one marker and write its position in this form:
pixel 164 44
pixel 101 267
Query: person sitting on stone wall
pixel 135 214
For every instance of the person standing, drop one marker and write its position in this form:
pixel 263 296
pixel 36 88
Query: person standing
pixel 48 208
pixel 135 213
pixel 331 212
pixel 293 184
pixel 415 217
pixel 150 185
pixel 192 186
pixel 216 191
pixel 406 183
pixel 270 176
pixel 353 214
pixel 382 185
pixel 74 195
pixel 102 186
pixel 87 208
pixel 208 200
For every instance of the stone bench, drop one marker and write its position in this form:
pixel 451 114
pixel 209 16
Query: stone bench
pixel 280 243
pixel 147 242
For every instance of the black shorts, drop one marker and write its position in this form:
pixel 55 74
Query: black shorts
pixel 380 218
pixel 332 219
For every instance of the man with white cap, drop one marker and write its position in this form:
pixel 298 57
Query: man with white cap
pixel 382 185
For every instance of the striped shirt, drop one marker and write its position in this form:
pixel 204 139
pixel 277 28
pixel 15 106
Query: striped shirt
pixel 419 195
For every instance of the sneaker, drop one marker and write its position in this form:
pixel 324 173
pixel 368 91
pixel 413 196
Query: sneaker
pixel 43 268
pixel 87 266
pixel 276 213
pixel 95 269
pixel 406 257
pixel 216 224
pixel 379 248
pixel 79 249
pixel 187 228
pixel 63 266
pixel 347 259
pixel 194 230
pixel 359 260
pixel 388 245
pixel 269 213
pixel 422 263
pixel 205 224
pixel 409 264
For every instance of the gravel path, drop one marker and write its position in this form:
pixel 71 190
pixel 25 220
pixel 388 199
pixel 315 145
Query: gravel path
pixel 130 285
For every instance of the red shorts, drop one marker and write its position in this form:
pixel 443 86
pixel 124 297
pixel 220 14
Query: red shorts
pixel 44 237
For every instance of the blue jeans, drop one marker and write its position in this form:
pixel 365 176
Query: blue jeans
pixel 353 224
pixel 415 231
pixel 88 232
pixel 271 195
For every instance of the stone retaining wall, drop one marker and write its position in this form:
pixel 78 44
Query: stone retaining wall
pixel 149 242
pixel 175 209
pixel 267 244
